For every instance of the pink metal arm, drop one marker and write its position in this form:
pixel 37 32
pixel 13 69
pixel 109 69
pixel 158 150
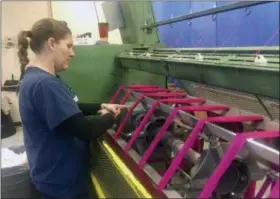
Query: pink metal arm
pixel 168 122
pixel 275 191
pixel 155 95
pixel 191 139
pixel 142 90
pixel 229 155
pixel 132 86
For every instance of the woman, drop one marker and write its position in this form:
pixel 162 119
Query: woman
pixel 55 129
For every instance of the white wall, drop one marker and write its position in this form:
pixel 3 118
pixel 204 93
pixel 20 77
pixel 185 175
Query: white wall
pixel 15 18
pixel 114 35
pixel 81 17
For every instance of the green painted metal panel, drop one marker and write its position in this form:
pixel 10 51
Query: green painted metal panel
pixel 131 76
pixel 93 73
pixel 148 66
pixel 179 70
pixel 136 14
pixel 261 82
pixel 227 68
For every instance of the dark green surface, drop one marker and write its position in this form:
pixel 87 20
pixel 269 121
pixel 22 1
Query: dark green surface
pixel 92 73
pixel 141 77
pixel 260 82
pixel 135 13
pixel 230 68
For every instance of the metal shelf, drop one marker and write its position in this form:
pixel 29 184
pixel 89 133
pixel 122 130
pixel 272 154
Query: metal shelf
pixel 237 69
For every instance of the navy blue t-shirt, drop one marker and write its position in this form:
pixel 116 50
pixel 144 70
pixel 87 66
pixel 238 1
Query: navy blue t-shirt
pixel 58 163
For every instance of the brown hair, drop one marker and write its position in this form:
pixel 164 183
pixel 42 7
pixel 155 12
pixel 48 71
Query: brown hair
pixel 40 32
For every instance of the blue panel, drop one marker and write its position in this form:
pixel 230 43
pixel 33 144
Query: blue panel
pixel 243 27
pixel 166 35
pixel 203 32
pixel 177 34
pixel 197 6
pixel 184 34
pixel 222 3
pixel 251 27
pixel 167 9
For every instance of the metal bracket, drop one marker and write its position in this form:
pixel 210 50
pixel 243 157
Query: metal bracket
pixel 171 25
pixel 198 57
pixel 260 59
pixel 146 54
pixel 248 11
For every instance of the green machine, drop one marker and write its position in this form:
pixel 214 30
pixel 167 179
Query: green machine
pixel 222 74
pixel 246 79
pixel 237 77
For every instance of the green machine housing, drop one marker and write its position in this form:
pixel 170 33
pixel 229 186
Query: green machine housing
pixel 245 78
pixel 234 76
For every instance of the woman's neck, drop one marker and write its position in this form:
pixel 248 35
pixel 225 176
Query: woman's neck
pixel 44 63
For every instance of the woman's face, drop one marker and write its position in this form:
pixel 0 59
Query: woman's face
pixel 63 52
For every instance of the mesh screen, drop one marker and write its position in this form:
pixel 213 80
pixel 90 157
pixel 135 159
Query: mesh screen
pixel 231 98
pixel 111 180
pixel 273 107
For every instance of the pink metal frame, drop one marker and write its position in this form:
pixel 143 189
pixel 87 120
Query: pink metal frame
pixel 137 101
pixel 134 86
pixel 162 95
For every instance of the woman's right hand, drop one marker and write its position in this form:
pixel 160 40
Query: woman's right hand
pixel 103 111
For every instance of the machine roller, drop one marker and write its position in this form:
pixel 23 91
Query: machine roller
pixel 178 145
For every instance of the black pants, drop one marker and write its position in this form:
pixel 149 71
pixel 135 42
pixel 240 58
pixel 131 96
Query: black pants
pixel 91 194
pixel 81 196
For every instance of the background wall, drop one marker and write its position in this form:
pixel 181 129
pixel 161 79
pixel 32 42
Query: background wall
pixel 15 18
pixel 251 27
pixel 83 16
pixel 256 26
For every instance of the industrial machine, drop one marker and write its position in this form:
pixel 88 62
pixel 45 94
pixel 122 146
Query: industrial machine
pixel 216 135
pixel 212 139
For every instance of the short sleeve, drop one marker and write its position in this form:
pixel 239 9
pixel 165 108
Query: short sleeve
pixel 54 102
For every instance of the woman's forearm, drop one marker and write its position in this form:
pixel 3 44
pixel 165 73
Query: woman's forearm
pixel 89 108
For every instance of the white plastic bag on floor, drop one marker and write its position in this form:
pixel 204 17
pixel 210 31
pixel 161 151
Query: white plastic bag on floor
pixel 10 159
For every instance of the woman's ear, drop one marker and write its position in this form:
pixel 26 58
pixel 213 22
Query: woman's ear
pixel 51 43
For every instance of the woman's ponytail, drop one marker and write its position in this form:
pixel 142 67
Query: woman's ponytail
pixel 23 45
